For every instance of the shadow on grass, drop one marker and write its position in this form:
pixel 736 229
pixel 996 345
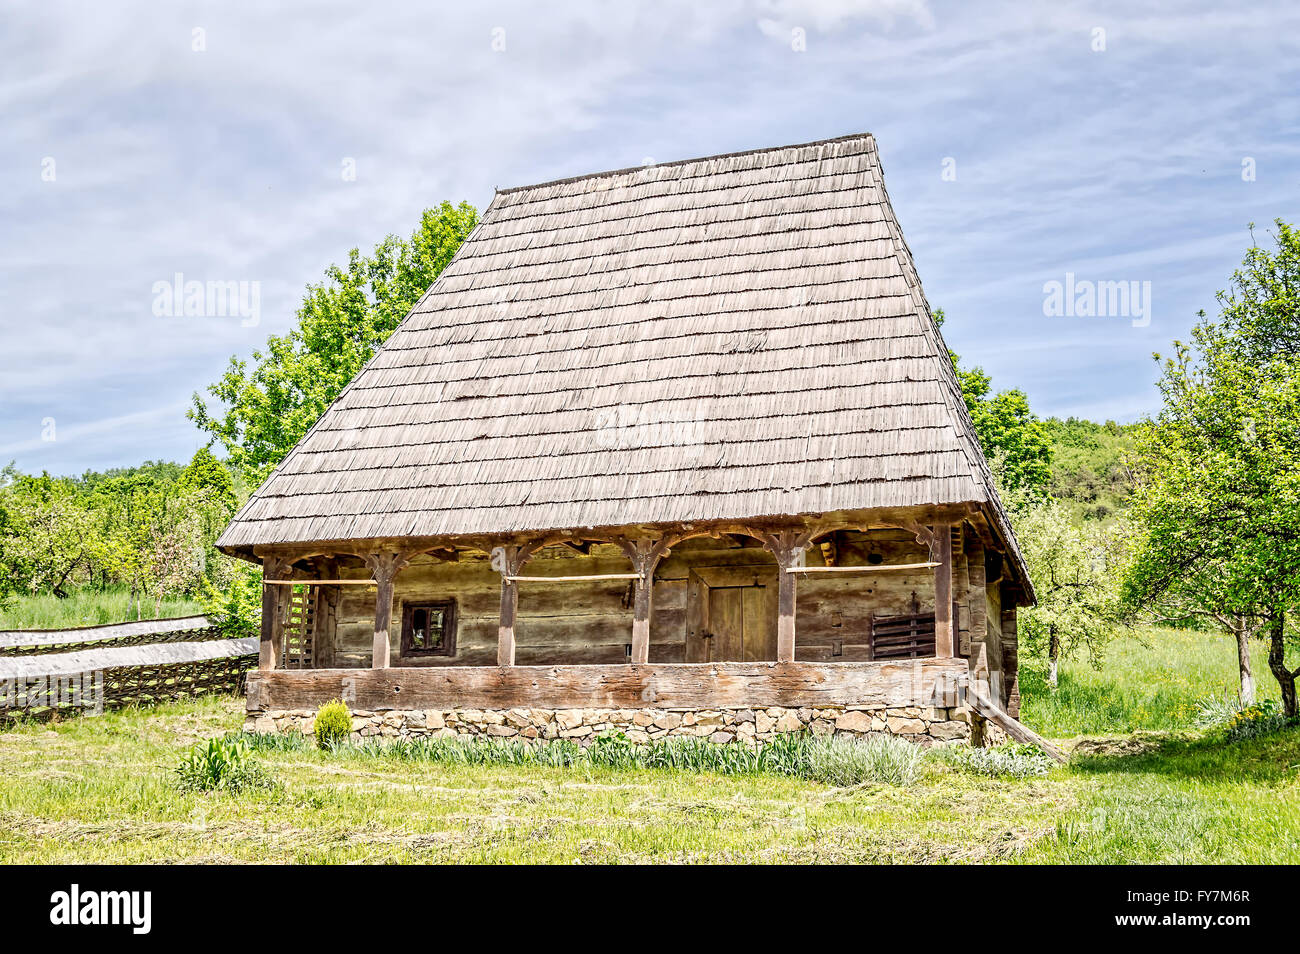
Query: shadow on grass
pixel 1267 759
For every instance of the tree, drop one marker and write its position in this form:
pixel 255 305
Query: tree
pixel 1218 493
pixel 49 541
pixel 1006 427
pixel 1076 567
pixel 266 408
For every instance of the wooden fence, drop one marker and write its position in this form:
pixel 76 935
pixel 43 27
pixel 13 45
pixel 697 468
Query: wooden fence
pixel 49 673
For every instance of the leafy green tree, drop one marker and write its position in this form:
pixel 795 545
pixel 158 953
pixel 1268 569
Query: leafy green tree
pixel 265 408
pixel 49 542
pixel 1218 494
pixel 1076 567
pixel 1006 427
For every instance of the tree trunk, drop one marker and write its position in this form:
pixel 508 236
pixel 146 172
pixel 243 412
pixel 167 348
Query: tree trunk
pixel 1053 656
pixel 1277 662
pixel 1246 689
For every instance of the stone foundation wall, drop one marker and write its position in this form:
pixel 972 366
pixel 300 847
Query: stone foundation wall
pixel 923 725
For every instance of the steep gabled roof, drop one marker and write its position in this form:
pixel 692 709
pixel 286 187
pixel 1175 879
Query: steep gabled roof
pixel 732 337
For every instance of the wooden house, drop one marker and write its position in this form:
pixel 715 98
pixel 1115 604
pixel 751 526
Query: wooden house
pixel 668 449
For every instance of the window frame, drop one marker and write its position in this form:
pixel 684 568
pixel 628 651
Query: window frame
pixel 448 648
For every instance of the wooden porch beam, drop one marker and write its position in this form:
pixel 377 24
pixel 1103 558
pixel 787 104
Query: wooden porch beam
pixel 944 644
pixel 508 561
pixel 645 556
pixel 789 548
pixel 384 567
pixel 268 648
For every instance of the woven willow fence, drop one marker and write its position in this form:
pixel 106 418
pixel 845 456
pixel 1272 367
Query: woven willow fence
pixel 49 674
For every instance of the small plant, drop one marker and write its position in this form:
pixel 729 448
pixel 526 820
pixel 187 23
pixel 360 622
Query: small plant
pixel 333 724
pixel 272 741
pixel 1012 760
pixel 1215 711
pixel 221 765
pixel 881 758
pixel 615 750
pixel 1263 718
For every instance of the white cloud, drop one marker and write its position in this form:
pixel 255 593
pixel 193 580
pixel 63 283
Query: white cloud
pixel 225 164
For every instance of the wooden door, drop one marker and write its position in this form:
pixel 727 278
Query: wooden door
pixel 739 624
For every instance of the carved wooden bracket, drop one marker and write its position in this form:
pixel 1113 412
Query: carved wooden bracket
pixel 645 554
pixel 788 546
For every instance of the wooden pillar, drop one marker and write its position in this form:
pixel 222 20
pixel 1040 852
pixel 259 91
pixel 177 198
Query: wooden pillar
pixel 788 547
pixel 384 568
pixel 508 561
pixel 268 649
pixel 943 628
pixel 645 556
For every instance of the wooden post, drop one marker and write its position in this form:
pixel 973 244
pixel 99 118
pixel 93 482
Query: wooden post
pixel 384 568
pixel 943 629
pixel 268 649
pixel 788 547
pixel 508 561
pixel 645 556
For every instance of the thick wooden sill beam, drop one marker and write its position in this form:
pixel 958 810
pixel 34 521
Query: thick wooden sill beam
pixel 919 682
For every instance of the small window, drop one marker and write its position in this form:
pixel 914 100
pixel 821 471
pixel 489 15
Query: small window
pixel 429 629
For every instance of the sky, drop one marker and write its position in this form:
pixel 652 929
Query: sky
pixel 1024 144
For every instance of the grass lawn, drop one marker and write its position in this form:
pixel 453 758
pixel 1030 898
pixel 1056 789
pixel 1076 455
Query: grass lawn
pixel 100 790
pixel 1152 681
pixel 87 607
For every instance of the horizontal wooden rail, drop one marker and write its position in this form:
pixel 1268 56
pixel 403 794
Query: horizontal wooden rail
pixel 575 579
pixel 860 569
pixel 320 582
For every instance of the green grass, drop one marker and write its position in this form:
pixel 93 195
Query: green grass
pixel 86 607
pixel 103 790
pixel 1150 682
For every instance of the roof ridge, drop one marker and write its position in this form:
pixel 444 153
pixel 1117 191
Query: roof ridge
pixel 683 162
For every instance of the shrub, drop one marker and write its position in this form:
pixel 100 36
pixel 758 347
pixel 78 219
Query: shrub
pixel 221 765
pixel 333 724
pixel 236 609
pixel 1263 718
pixel 881 758
pixel 1215 711
pixel 1012 760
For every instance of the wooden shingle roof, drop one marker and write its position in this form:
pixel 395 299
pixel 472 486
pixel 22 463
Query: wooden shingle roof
pixel 732 337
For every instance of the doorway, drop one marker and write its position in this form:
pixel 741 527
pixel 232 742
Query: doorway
pixel 732 614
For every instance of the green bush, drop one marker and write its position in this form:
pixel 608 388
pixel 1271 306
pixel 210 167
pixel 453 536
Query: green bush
pixel 1216 711
pixel 1263 718
pixel 838 760
pixel 333 724
pixel 1013 760
pixel 221 765
pixel 235 609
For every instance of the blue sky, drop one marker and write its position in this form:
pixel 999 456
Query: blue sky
pixel 129 156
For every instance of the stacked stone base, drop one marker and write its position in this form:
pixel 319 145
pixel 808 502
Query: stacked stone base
pixel 923 725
